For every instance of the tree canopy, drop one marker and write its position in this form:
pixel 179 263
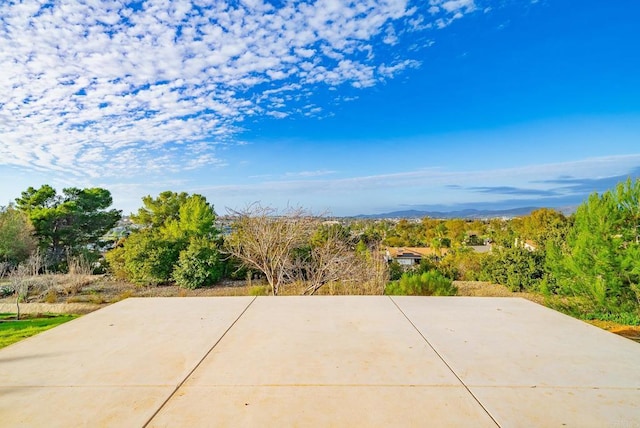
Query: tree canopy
pixel 67 223
pixel 601 256
pixel 177 240
pixel 16 236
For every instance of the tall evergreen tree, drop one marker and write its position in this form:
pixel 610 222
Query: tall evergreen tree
pixel 68 223
pixel 601 256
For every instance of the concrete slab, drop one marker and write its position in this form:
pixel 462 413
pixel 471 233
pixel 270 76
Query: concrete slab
pixel 324 340
pixel 561 407
pixel 515 342
pixel 529 365
pixel 323 406
pixel 321 361
pixel 80 406
pixel 151 342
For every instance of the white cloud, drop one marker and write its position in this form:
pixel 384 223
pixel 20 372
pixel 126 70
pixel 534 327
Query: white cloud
pixel 318 173
pixel 390 37
pixel 534 176
pixel 104 87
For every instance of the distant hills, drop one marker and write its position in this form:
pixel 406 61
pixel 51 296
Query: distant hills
pixel 465 214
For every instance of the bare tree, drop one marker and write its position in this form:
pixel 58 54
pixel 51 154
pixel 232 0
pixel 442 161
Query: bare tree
pixel 20 283
pixel 265 240
pixel 330 260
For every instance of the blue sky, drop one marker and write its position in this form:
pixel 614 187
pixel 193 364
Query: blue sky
pixel 343 107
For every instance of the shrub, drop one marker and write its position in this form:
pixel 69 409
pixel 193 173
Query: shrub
pixel 463 264
pixel 6 290
pixel 395 271
pixel 148 258
pixel 116 261
pixel 516 268
pixel 198 265
pixel 431 283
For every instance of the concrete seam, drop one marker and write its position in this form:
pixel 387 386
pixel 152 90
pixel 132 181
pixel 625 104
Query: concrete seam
pixel 182 382
pixel 444 361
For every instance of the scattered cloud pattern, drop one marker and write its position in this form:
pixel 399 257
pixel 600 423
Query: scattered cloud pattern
pixel 110 87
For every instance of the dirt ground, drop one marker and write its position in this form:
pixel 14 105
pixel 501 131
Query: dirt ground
pixel 92 293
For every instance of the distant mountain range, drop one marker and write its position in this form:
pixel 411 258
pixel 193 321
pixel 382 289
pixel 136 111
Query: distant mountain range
pixel 465 214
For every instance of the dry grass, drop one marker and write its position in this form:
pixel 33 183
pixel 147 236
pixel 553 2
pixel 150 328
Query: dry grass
pixel 482 289
pixel 487 289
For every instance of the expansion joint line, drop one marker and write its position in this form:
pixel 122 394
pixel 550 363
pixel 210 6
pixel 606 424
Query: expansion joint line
pixel 445 362
pixel 164 403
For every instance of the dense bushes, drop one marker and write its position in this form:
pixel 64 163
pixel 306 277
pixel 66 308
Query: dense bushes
pixel 430 283
pixel 177 241
pixel 463 264
pixel 145 258
pixel 516 268
pixel 198 265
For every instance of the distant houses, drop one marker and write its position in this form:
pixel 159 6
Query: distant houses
pixel 527 244
pixel 481 248
pixel 411 256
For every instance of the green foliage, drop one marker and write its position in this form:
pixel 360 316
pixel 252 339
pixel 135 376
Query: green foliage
pixel 147 258
pixel 362 249
pixel 157 212
pixel 542 226
pixel 67 224
pixel 395 271
pixel 195 219
pixel 199 265
pixel 463 264
pixel 501 233
pixel 601 256
pixel 404 234
pixel 16 236
pixel 516 268
pixel 116 262
pixel 426 264
pixel 626 318
pixel 178 241
pixel 324 232
pixel 431 283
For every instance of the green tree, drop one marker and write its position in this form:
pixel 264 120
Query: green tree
pixel 516 268
pixel 196 219
pixel 69 223
pixel 501 232
pixel 177 234
pixel 17 242
pixel 456 231
pixel 541 226
pixel 600 258
pixel 156 212
pixel 462 264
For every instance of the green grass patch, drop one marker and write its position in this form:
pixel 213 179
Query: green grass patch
pixel 12 330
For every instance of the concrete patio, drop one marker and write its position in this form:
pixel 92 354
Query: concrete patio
pixel 322 361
